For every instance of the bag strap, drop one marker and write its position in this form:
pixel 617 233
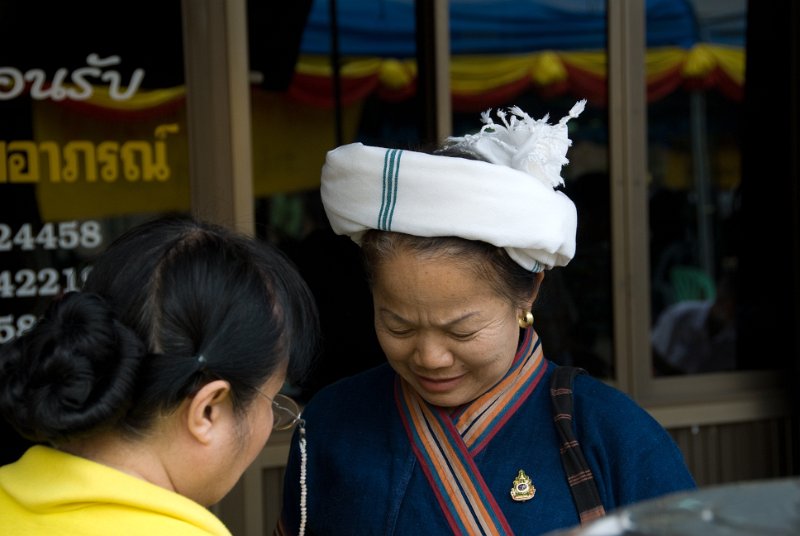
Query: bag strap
pixel 579 476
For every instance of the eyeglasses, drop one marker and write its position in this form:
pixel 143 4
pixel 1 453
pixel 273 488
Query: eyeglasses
pixel 285 412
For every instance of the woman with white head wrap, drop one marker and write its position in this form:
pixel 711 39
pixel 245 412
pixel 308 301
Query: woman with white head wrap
pixel 456 433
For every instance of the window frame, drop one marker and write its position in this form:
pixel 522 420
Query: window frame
pixel 674 401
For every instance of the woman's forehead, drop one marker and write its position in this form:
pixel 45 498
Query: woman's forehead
pixel 433 280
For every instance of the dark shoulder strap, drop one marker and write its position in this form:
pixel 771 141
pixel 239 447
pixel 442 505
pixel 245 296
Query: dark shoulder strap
pixel 579 476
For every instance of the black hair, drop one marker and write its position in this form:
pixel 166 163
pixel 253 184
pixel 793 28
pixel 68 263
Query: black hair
pixel 170 305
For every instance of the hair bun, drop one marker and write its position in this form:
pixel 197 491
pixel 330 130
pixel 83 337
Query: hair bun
pixel 72 372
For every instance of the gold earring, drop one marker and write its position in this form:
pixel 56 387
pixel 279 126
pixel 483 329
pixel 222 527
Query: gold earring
pixel 526 320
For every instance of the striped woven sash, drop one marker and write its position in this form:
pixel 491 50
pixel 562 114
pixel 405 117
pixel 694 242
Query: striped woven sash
pixel 445 442
pixel 579 476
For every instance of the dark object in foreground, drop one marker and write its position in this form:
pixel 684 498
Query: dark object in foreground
pixel 764 508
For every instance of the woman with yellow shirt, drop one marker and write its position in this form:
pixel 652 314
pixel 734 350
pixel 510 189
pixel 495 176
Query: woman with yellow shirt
pixel 150 391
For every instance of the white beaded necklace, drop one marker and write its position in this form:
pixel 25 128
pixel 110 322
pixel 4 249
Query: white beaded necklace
pixel 303 486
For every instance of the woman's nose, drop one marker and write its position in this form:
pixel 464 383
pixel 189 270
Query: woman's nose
pixel 432 353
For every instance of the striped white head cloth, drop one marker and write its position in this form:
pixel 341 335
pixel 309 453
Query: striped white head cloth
pixel 509 200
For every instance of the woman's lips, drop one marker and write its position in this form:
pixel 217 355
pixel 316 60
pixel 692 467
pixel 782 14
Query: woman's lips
pixel 439 385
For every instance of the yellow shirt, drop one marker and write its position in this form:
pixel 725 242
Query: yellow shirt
pixel 50 492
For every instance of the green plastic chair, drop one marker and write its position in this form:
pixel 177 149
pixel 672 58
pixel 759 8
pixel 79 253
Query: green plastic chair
pixel 691 283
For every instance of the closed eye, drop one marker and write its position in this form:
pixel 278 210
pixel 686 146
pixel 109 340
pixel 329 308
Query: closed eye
pixel 463 336
pixel 400 332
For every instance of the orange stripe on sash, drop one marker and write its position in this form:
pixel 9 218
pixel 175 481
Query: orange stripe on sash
pixel 436 456
pixel 577 478
pixel 500 405
pixel 591 515
pixel 428 427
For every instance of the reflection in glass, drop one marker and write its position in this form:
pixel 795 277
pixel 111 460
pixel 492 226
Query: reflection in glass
pixel 694 178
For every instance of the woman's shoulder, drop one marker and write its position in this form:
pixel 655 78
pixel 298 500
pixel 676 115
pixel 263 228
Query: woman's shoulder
pixel 603 405
pixel 591 390
pixel 366 387
pixel 634 453
pixel 606 414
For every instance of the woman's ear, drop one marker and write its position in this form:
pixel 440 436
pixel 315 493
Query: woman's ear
pixel 207 408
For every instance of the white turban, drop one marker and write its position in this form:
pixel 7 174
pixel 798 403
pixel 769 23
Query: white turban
pixel 509 201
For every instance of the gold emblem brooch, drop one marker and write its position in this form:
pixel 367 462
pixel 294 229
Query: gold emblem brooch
pixel 523 489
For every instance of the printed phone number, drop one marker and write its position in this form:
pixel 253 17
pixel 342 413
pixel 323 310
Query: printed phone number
pixel 11 327
pixel 27 283
pixel 61 235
